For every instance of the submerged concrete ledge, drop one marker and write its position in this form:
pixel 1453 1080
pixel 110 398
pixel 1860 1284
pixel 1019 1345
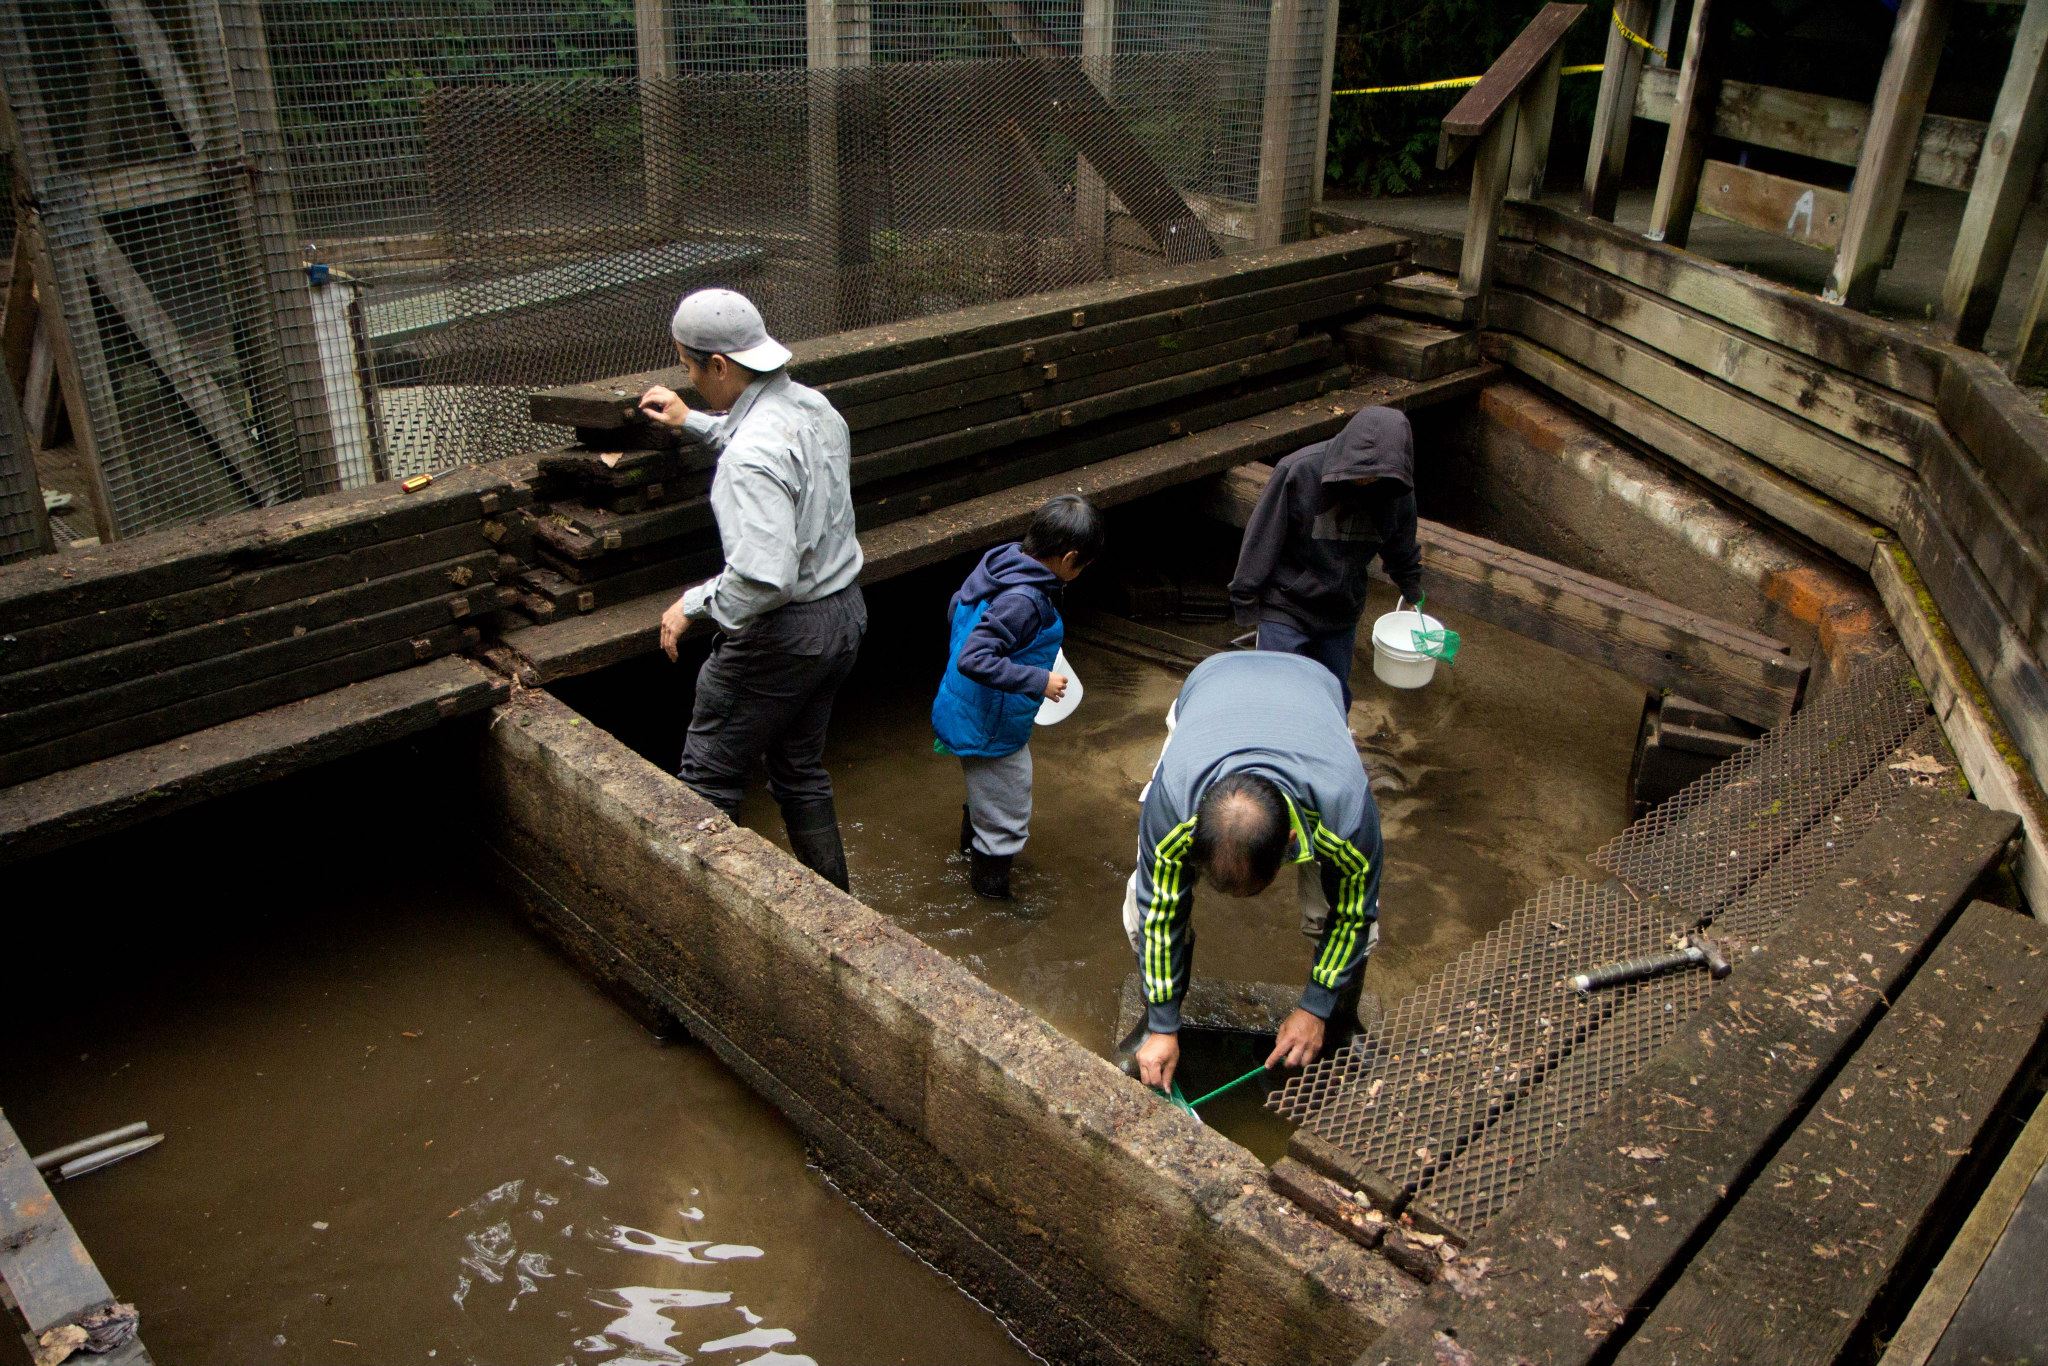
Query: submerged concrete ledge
pixel 1100 1223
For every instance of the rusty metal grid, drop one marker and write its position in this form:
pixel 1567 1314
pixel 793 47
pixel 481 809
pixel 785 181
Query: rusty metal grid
pixel 1455 1057
pixel 1710 845
pixel 1485 1073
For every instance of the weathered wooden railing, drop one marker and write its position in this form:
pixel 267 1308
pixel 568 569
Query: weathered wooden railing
pixel 1507 115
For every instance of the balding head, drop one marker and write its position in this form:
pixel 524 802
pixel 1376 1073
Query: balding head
pixel 1241 831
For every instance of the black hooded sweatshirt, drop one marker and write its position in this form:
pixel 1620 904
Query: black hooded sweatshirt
pixel 1314 533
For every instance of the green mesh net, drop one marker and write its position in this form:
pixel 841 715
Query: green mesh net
pixel 1438 644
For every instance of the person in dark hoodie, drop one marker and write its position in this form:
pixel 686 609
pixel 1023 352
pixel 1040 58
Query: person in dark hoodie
pixel 1006 633
pixel 1327 511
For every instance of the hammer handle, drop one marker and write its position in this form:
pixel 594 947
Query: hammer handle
pixel 1635 969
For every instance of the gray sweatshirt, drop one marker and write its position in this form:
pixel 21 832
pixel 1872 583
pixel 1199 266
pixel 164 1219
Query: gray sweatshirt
pixel 783 498
pixel 1279 716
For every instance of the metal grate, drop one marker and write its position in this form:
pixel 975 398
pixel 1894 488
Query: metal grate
pixel 508 195
pixel 1484 1074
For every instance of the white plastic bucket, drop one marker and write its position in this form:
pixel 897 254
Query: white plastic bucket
pixel 1395 660
pixel 1051 713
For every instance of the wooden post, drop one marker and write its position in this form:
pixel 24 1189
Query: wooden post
pixel 1534 109
pixel 1692 120
pixel 1482 212
pixel 1614 112
pixel 654 28
pixel 1331 14
pixel 2030 357
pixel 1091 195
pixel 276 249
pixel 1660 32
pixel 1888 147
pixel 837 43
pixel 2005 177
pixel 1276 127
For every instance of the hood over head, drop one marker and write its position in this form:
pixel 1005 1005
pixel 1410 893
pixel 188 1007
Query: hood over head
pixel 1006 566
pixel 1376 442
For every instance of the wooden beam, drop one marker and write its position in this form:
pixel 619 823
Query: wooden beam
pixel 49 1277
pixel 1870 484
pixel 1888 148
pixel 1864 347
pixel 1561 1282
pixel 654 67
pixel 1811 215
pixel 1614 112
pixel 201 393
pixel 1827 128
pixel 1737 473
pixel 1324 86
pixel 1532 129
pixel 159 60
pixel 1685 144
pixel 1660 645
pixel 29 533
pixel 1486 103
pixel 1799 1264
pixel 1091 193
pixel 2001 189
pixel 2030 354
pixel 1277 150
pixel 1879 420
pixel 1482 212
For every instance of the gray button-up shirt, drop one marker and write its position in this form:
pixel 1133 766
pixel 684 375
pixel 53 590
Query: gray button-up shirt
pixel 783 498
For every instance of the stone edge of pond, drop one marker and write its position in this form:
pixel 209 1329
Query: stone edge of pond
pixel 1100 1224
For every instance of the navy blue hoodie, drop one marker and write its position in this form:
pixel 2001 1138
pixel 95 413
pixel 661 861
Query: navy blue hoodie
pixel 1012 621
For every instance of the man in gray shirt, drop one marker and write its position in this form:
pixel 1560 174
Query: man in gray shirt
pixel 1259 772
pixel 789 613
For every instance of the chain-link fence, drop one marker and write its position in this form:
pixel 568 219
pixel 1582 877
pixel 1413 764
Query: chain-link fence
pixel 332 242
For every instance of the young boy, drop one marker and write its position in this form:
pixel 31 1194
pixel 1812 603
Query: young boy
pixel 1006 635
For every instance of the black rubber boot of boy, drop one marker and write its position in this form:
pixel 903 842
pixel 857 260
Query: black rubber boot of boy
pixel 989 874
pixel 814 838
pixel 966 830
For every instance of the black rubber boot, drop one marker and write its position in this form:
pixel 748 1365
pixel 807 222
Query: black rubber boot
pixel 989 874
pixel 966 830
pixel 814 838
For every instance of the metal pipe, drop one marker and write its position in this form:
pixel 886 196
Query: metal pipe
pixel 105 1157
pixel 58 1156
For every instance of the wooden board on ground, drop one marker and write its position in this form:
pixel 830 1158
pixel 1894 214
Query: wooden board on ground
pixel 1407 347
pixel 1810 215
pixel 112 794
pixel 1797 1266
pixel 565 648
pixel 1659 644
pixel 49 1278
pixel 1679 1141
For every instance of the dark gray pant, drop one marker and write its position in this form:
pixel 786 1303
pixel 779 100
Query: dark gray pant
pixel 766 695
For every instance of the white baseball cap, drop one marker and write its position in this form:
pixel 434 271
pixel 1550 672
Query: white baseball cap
pixel 722 322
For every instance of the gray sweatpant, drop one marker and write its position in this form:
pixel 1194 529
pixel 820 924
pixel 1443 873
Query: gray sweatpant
pixel 999 801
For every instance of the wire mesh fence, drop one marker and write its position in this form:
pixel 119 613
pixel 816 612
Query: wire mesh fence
pixel 311 244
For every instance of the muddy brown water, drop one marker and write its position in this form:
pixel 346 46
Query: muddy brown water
pixel 1503 774
pixel 400 1129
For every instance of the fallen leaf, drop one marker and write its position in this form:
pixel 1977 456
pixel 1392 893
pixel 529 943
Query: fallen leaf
pixel 1643 1154
pixel 1921 763
pixel 1621 1233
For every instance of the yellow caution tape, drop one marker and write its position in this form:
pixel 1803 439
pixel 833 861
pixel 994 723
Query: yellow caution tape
pixel 1452 83
pixel 1638 39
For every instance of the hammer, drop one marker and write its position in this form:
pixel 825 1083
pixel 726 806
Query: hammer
pixel 1695 952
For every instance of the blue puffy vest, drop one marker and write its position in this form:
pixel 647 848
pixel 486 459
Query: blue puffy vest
pixel 976 721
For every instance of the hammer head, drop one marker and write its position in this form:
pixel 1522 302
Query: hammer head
pixel 1716 961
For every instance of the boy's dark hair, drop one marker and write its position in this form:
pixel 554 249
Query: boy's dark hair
pixel 1068 522
pixel 1241 831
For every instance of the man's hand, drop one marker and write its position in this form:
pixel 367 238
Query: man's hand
pixel 674 622
pixel 1158 1056
pixel 1055 687
pixel 1301 1039
pixel 664 405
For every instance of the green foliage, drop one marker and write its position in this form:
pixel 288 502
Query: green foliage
pixel 1386 144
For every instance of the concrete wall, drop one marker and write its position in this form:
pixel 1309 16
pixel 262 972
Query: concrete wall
pixel 1102 1224
pixel 1525 470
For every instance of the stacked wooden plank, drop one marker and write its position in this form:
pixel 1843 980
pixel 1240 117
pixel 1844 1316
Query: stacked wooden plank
pixel 955 407
pixel 112 649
